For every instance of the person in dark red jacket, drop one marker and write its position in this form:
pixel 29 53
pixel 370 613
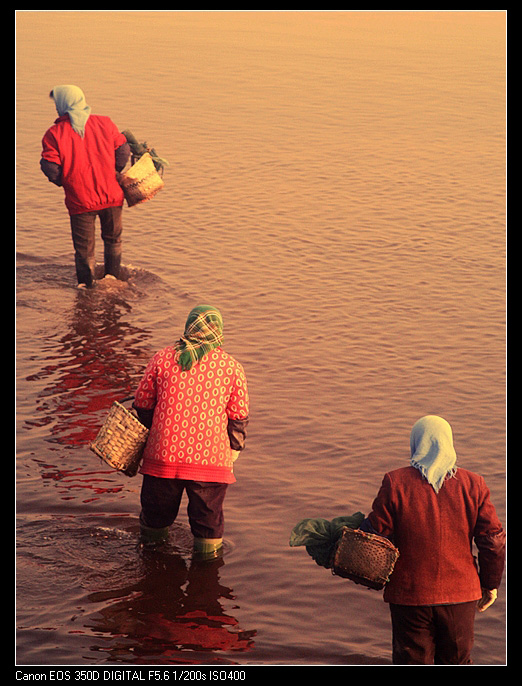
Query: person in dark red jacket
pixel 82 152
pixel 433 512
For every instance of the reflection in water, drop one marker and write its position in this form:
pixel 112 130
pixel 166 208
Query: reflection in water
pixel 98 360
pixel 339 188
pixel 175 607
pixel 87 359
pixel 131 604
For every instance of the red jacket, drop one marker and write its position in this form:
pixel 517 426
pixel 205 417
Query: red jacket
pixel 434 533
pixel 87 164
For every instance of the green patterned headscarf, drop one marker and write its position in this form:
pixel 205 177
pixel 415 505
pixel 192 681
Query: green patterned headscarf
pixel 203 333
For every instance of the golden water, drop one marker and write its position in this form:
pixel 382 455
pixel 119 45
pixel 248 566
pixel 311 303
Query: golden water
pixel 337 187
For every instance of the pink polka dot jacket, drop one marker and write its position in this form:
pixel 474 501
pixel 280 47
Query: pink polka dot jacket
pixel 199 416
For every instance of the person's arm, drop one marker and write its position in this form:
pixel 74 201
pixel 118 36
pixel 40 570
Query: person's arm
pixel 145 416
pixel 50 162
pixel 236 429
pixel 237 413
pixel 490 539
pixel 52 170
pixel 488 598
pixel 145 397
pixel 380 519
pixel 122 155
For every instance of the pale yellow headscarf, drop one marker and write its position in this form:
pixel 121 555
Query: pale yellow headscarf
pixel 71 100
pixel 432 451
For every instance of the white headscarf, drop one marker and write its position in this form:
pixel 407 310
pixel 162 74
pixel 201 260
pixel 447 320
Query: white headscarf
pixel 71 100
pixel 432 451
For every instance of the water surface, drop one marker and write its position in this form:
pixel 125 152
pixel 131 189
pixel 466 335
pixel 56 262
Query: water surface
pixel 337 187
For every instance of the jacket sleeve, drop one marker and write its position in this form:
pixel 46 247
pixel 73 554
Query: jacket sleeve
pixel 236 429
pixel 237 410
pixel 52 170
pixel 145 416
pixel 490 539
pixel 50 161
pixel 122 155
pixel 380 519
pixel 145 397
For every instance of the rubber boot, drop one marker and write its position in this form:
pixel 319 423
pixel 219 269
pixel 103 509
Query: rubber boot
pixel 150 536
pixel 207 548
pixel 84 270
pixel 112 261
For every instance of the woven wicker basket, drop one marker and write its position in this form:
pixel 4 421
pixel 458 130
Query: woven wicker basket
pixel 121 440
pixel 141 182
pixel 364 558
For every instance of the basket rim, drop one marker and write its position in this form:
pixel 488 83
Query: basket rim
pixel 118 409
pixel 144 162
pixel 376 538
pixel 127 412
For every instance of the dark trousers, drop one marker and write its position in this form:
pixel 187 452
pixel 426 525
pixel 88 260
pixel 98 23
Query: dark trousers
pixel 433 634
pixel 83 235
pixel 161 498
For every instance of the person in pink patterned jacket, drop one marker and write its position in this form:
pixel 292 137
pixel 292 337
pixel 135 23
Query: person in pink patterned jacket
pixel 194 398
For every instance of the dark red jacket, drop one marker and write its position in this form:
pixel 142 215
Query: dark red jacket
pixel 87 164
pixel 434 533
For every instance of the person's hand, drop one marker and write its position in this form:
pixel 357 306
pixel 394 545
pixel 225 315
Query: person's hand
pixel 488 598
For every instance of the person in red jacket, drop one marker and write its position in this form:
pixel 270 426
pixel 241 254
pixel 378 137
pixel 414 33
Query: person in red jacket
pixel 194 398
pixel 82 152
pixel 433 512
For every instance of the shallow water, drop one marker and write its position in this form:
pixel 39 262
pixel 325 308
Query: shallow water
pixel 336 186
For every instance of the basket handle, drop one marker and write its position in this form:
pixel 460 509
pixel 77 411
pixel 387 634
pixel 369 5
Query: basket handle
pixel 144 416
